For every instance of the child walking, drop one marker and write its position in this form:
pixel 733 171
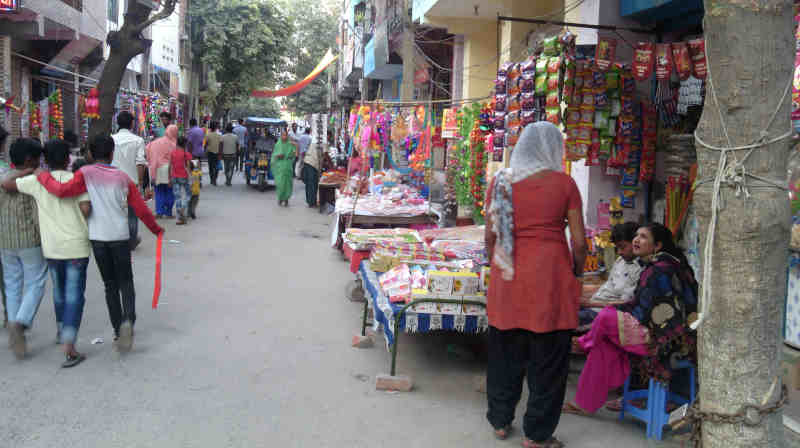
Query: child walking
pixel 111 192
pixel 179 177
pixel 197 178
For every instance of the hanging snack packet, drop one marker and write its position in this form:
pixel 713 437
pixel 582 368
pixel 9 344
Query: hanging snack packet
pixel 568 93
pixel 600 98
pixel 527 83
pixel 697 49
pixel 554 115
pixel 587 115
pixel 528 117
pixel 512 119
pixel 683 63
pixel 551 46
pixel 514 103
pixel 552 99
pixel 541 83
pixel 569 74
pixel 552 82
pixel 541 65
pixel 513 82
pixel 643 61
pixel 663 61
pixel 500 85
pixel 512 136
pixel 504 69
pixel 627 105
pixel 601 120
pixel 612 80
pixel 628 83
pixel 499 120
pixel 605 148
pixel 554 65
pixel 500 102
pixel 616 107
pixel 499 138
pixel 606 52
pixel 529 66
pixel 626 125
pixel 528 101
pixel 573 116
pixel 612 127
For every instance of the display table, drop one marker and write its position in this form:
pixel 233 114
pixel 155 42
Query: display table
pixel 389 221
pixel 418 316
pixel 355 257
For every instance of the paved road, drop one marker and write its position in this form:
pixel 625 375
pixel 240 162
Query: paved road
pixel 250 348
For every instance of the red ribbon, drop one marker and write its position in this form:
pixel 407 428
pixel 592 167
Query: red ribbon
pixel 157 286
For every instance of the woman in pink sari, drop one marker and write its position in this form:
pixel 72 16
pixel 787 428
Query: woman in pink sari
pixel 653 326
pixel 158 156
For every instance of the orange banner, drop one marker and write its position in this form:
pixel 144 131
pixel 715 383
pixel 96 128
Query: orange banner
pixel 323 64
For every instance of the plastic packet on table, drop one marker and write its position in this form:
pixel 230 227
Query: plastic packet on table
pixel 418 279
pixel 396 283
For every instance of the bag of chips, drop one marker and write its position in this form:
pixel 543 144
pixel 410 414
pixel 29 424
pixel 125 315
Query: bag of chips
pixel 512 119
pixel 551 46
pixel 541 65
pixel 606 52
pixel 587 115
pixel 541 83
pixel 601 120
pixel 663 61
pixel 568 93
pixel 527 83
pixel 553 65
pixel 512 136
pixel 554 115
pixel 643 61
pixel 528 101
pixel 500 103
pixel 504 69
pixel 600 98
pixel 683 63
pixel 552 99
pixel 499 120
pixel 697 49
pixel 514 103
pixel 499 138
pixel 528 67
pixel 528 117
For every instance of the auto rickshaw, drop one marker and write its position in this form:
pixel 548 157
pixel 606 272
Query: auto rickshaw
pixel 264 133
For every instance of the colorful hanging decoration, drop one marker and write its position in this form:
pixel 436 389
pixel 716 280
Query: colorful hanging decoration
pixel 35 123
pixel 56 115
pixel 92 104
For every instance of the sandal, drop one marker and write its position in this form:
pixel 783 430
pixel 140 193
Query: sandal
pixel 573 409
pixel 502 433
pixel 552 442
pixel 73 360
pixel 614 405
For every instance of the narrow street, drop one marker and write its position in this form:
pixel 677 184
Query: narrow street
pixel 251 347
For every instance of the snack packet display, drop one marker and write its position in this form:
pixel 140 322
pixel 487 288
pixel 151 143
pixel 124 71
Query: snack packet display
pixel 606 52
pixel 697 50
pixel 663 61
pixel 541 83
pixel 683 63
pixel 643 59
pixel 396 284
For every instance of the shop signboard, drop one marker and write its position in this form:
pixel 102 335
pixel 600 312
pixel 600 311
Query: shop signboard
pixel 9 5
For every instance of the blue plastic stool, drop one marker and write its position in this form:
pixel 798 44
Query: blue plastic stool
pixel 655 414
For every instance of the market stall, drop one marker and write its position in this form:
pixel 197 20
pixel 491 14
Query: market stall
pixel 418 282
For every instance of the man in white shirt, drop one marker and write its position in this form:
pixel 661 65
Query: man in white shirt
pixel 241 135
pixel 129 157
pixel 624 276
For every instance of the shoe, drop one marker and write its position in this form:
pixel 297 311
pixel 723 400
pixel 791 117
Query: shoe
pixel 125 341
pixel 73 360
pixel 17 340
pixel 193 216
pixel 136 244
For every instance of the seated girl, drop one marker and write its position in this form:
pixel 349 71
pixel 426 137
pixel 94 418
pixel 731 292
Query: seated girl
pixel 654 325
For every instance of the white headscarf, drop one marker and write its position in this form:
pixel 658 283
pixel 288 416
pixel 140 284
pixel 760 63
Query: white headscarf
pixel 539 148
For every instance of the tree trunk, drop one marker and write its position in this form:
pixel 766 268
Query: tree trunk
pixel 750 49
pixel 125 44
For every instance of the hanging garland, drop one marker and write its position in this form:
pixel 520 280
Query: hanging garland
pixel 35 125
pixel 56 115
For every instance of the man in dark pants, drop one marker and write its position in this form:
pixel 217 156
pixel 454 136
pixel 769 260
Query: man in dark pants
pixel 111 192
pixel 213 140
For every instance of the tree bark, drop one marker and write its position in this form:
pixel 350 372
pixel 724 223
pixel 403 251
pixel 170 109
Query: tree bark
pixel 125 44
pixel 750 49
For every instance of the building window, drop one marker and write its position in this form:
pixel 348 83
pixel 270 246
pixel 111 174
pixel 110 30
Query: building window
pixel 77 4
pixel 113 10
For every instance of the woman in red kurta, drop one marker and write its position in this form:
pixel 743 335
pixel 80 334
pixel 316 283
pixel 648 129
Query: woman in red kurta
pixel 534 290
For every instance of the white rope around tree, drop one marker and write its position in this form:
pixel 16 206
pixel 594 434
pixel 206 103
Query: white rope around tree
pixel 735 174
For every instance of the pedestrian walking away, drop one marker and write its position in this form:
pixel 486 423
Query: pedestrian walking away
pixel 195 137
pixel 179 176
pixel 243 139
pixel 65 244
pixel 213 145
pixel 110 191
pixel 129 156
pixel 3 171
pixel 528 204
pixel 24 265
pixel 158 157
pixel 282 168
pixel 312 164
pixel 230 149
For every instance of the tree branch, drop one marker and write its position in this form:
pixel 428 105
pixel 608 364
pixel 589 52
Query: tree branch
pixel 166 11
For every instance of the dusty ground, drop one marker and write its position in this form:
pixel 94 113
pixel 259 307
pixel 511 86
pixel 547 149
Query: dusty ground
pixel 251 348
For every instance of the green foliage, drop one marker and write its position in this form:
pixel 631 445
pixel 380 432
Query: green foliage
pixel 256 107
pixel 467 116
pixel 242 41
pixel 315 25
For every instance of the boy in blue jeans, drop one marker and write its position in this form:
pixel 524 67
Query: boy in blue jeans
pixel 65 243
pixel 111 192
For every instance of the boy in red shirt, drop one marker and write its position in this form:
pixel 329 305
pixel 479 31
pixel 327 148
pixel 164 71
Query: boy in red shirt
pixel 179 175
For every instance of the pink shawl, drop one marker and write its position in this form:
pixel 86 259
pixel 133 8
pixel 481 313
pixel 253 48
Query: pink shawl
pixel 159 150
